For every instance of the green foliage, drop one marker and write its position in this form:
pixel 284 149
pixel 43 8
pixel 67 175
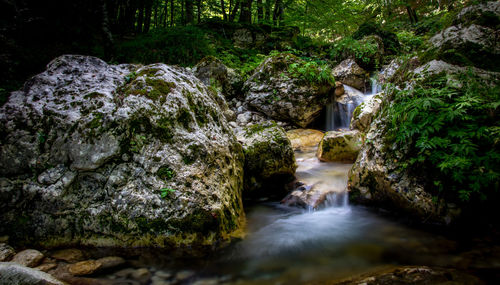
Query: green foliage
pixel 165 172
pixel 348 47
pixel 452 134
pixel 179 45
pixel 312 71
pixel 390 40
pixel 409 41
pixel 164 192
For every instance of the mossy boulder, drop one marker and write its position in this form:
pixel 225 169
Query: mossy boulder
pixel 341 146
pixel 389 39
pixel 472 40
pixel 278 89
pixel 350 73
pixel 269 160
pixel 117 155
pixel 212 72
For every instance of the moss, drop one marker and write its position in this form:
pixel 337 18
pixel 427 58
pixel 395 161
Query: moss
pixel 193 152
pixel 93 95
pixel 185 118
pixel 96 121
pixel 165 172
pixel 149 72
pixel 161 89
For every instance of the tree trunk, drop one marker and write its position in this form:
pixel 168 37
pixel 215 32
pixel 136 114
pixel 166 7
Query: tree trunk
pixel 260 11
pixel 412 14
pixel 223 9
pixel 267 15
pixel 278 11
pixel 140 17
pixel 232 16
pixel 171 13
pixel 198 9
pixel 246 11
pixel 189 12
pixel 147 15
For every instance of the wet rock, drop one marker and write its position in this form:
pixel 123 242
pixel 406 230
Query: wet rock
pixel 269 159
pixel 142 275
pixel 184 275
pixel 342 146
pixel 283 95
pixel 142 156
pixel 339 89
pixel 163 274
pixel 304 138
pixel 418 275
pixel 70 255
pixel 13 273
pixel 46 267
pixel 350 73
pixel 315 196
pixel 212 72
pixel 111 261
pixel 364 114
pixel 6 252
pixel 86 267
pixel 28 257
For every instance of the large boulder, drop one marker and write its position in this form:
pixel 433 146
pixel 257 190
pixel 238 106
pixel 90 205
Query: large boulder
pixel 269 160
pixel 350 73
pixel 340 146
pixel 283 93
pixel 302 139
pixel 471 41
pixel 212 72
pixel 13 273
pixel 363 115
pixel 116 155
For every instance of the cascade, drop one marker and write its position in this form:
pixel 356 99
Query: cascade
pixel 339 111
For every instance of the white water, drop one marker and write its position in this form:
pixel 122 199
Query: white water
pixel 339 114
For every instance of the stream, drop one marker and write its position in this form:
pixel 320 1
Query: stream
pixel 292 245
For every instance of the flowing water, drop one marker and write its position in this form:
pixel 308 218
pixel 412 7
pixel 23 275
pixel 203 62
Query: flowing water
pixel 339 112
pixel 287 245
pixel 290 245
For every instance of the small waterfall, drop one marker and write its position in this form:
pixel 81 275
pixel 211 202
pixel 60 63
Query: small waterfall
pixel 339 110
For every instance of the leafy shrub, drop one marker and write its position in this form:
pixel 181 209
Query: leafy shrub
pixel 312 71
pixel 409 41
pixel 180 45
pixel 361 52
pixel 452 134
pixel 391 43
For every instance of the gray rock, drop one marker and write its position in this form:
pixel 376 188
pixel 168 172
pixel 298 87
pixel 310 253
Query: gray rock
pixel 364 114
pixel 350 73
pixel 13 273
pixel 484 14
pixel 283 96
pixel 458 37
pixel 28 257
pixel 269 159
pixel 6 252
pixel 388 71
pixel 142 156
pixel 212 72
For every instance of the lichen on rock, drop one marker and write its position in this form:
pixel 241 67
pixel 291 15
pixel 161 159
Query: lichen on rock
pixel 95 159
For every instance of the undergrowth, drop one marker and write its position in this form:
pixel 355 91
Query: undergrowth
pixel 452 134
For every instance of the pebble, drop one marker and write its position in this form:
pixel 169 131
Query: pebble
pixel 111 261
pixel 183 275
pixel 163 274
pixel 28 257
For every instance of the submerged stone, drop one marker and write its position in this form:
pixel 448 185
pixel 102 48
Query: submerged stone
pixel 341 146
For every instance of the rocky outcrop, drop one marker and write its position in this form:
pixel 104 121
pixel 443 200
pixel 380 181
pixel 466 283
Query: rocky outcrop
pixel 116 155
pixel 212 72
pixel 340 146
pixel 6 252
pixel 350 73
pixel 473 40
pixel 282 93
pixel 13 273
pixel 304 138
pixel 388 71
pixel 363 115
pixel 269 160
